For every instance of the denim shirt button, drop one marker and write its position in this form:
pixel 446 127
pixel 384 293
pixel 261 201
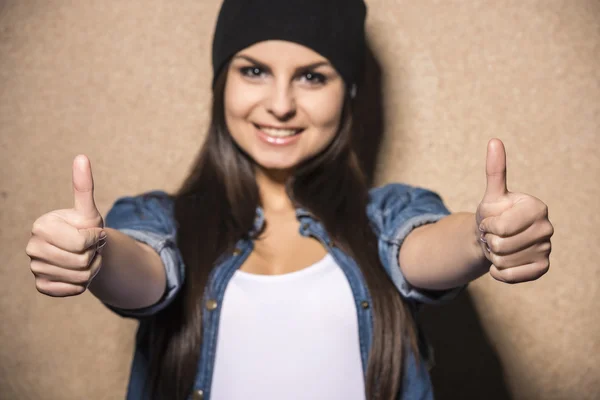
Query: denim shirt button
pixel 199 395
pixel 331 243
pixel 364 304
pixel 237 252
pixel 211 304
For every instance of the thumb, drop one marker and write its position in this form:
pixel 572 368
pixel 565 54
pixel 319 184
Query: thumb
pixel 495 170
pixel 83 187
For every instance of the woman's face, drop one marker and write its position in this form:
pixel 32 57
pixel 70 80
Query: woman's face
pixel 283 103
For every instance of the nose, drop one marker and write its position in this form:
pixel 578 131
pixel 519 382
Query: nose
pixel 281 102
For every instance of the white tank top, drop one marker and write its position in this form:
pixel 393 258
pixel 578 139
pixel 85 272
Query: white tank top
pixel 289 337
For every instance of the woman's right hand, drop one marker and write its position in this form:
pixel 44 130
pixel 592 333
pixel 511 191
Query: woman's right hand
pixel 65 244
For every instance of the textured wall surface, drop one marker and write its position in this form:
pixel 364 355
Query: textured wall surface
pixel 127 84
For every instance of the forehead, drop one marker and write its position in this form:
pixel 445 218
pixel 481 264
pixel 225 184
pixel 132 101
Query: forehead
pixel 281 52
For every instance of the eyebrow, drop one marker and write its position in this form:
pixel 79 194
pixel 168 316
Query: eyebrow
pixel 265 66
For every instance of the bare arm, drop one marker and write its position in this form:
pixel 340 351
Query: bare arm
pixel 449 249
pixel 132 273
pixel 514 227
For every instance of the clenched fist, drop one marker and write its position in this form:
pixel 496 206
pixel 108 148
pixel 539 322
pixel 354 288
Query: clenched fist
pixel 65 244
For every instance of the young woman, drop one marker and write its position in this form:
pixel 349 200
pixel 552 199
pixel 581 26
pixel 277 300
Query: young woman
pixel 274 272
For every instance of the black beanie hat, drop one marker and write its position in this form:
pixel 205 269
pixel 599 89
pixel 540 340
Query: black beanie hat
pixel 332 28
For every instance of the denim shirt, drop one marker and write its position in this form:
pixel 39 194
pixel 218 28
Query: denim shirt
pixel 394 211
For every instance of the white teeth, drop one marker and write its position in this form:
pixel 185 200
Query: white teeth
pixel 279 132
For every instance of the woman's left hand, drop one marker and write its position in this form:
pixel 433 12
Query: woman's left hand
pixel 515 229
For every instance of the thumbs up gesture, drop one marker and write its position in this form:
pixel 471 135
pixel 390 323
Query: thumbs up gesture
pixel 515 230
pixel 65 245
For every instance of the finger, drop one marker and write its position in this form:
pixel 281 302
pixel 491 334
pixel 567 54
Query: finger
pixel 529 255
pixel 39 249
pixel 495 169
pixel 58 289
pixel 60 233
pixel 534 234
pixel 53 273
pixel 523 273
pixel 516 219
pixel 83 187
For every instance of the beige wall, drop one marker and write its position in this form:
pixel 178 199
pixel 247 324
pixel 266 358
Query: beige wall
pixel 127 83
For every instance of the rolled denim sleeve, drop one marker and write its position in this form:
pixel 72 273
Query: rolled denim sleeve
pixel 148 218
pixel 395 210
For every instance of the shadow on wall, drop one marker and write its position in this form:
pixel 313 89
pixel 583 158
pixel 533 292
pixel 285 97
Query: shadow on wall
pixel 467 366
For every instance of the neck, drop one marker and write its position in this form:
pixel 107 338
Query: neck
pixel 271 186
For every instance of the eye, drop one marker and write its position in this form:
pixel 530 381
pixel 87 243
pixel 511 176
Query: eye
pixel 314 78
pixel 251 72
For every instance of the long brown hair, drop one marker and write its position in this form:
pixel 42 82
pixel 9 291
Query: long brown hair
pixel 215 207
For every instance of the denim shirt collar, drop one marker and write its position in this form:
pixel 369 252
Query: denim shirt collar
pixel 259 219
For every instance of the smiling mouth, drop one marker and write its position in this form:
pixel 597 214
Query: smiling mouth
pixel 279 132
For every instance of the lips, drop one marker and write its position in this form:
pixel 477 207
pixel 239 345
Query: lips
pixel 278 132
pixel 278 136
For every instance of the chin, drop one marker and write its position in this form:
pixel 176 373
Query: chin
pixel 280 165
